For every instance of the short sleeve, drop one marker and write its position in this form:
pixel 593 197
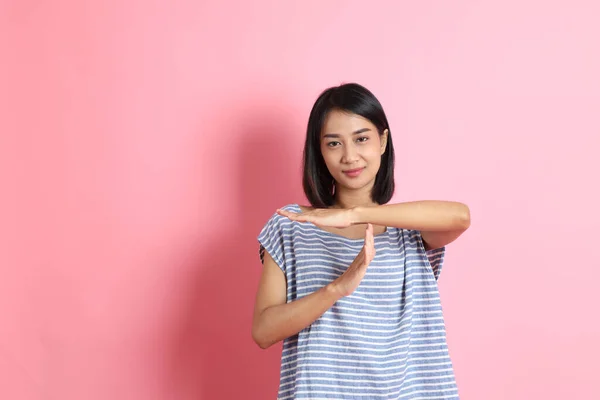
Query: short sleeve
pixel 435 257
pixel 271 239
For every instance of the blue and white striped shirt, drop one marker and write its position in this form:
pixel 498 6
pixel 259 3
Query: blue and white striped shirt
pixel 385 341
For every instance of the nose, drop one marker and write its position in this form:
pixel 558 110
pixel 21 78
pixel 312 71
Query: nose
pixel 350 154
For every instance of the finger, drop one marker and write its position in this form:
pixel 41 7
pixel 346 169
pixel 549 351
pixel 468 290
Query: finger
pixel 286 213
pixel 367 256
pixel 360 257
pixel 371 246
pixel 370 241
pixel 293 216
pixel 369 234
pixel 368 259
pixel 361 254
pixel 367 239
pixel 371 254
pixel 373 250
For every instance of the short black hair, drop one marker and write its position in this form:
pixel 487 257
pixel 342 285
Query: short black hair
pixel 317 181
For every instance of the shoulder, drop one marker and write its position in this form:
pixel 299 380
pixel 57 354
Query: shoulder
pixel 410 234
pixel 292 207
pixel 414 242
pixel 278 222
pixel 412 239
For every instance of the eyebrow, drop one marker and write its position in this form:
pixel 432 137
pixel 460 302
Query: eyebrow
pixel 337 135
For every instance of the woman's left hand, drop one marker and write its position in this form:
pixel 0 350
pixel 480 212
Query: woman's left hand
pixel 330 217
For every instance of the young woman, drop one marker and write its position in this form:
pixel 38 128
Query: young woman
pixel 349 284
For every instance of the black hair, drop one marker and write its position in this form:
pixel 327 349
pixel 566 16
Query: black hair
pixel 353 98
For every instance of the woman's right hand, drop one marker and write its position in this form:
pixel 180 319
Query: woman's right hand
pixel 276 319
pixel 347 283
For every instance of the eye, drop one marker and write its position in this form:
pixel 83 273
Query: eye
pixel 332 144
pixel 362 139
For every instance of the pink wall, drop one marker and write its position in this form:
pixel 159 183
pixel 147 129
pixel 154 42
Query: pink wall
pixel 144 145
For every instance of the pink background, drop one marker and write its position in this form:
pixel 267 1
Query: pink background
pixel 145 143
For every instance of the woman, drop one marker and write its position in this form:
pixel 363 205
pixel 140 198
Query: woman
pixel 349 284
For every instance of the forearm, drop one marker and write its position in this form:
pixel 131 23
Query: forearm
pixel 279 322
pixel 426 215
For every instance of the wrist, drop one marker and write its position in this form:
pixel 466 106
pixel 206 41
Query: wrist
pixel 357 215
pixel 333 291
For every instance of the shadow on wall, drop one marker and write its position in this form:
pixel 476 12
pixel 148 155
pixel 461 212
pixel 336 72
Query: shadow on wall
pixel 215 356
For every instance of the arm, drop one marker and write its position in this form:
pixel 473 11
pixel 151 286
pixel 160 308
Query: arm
pixel 440 222
pixel 274 319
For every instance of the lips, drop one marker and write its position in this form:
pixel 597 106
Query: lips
pixel 353 172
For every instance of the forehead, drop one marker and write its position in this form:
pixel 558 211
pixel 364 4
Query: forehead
pixel 344 123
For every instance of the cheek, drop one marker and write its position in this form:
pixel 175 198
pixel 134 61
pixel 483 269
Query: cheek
pixel 328 157
pixel 373 157
pixel 372 151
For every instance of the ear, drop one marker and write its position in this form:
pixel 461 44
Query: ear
pixel 383 139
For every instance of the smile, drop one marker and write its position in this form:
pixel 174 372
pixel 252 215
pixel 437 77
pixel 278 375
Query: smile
pixel 354 172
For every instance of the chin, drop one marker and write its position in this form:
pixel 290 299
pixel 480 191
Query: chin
pixel 356 184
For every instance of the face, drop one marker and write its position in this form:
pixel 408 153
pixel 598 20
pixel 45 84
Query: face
pixel 352 147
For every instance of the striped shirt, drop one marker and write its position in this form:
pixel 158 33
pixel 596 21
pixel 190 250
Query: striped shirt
pixel 387 340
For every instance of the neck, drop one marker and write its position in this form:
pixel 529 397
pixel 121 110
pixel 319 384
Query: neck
pixel 354 198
